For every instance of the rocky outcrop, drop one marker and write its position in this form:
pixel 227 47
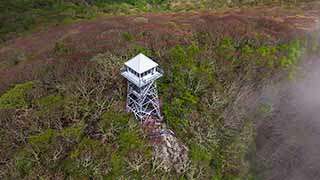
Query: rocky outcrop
pixel 168 152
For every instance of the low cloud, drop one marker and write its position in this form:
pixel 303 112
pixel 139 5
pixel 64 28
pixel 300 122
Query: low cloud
pixel 288 141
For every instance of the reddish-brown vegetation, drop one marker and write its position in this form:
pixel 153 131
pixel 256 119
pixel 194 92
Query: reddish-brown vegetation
pixel 154 31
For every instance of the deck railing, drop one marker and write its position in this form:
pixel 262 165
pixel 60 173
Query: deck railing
pixel 123 69
pixel 159 70
pixel 144 80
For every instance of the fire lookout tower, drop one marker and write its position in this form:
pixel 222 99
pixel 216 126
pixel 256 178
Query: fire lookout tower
pixel 142 98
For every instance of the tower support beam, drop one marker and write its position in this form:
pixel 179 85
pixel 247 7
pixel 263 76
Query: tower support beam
pixel 144 102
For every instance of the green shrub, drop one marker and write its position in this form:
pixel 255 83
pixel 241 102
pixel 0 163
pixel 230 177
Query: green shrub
pixel 73 133
pixel 199 154
pixel 114 121
pixel 61 48
pixel 53 110
pixel 127 36
pixel 117 164
pixel 49 101
pixel 124 133
pixel 24 163
pixel 47 149
pixel 180 86
pixel 87 159
pixel 265 109
pixel 291 53
pixel 31 156
pixel 226 49
pixel 140 49
pixel 42 141
pixel 16 97
pixel 130 140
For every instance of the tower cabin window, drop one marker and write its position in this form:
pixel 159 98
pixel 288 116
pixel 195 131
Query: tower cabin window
pixel 151 71
pixel 133 72
pixel 147 72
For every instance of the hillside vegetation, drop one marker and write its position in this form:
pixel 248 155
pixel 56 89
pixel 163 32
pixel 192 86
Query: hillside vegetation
pixel 74 124
pixel 62 99
pixel 18 16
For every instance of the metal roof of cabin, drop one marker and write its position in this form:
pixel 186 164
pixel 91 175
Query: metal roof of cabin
pixel 141 63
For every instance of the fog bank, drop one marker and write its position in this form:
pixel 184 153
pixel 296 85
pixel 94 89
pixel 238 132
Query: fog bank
pixel 288 140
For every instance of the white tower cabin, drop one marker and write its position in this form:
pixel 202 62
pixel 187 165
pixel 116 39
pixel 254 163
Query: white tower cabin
pixel 142 98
